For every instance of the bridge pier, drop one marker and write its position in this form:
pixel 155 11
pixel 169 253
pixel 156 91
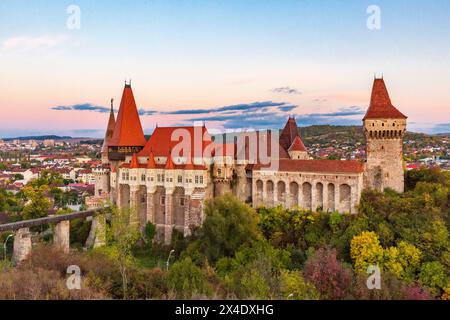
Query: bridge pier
pixel 61 237
pixel 22 245
pixel 97 234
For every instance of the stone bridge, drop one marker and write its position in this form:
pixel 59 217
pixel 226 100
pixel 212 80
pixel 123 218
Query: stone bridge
pixel 61 235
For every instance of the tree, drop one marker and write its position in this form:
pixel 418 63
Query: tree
pixel 294 286
pixel 122 238
pixel 38 204
pixel 229 224
pixel 365 250
pixel 403 260
pixel 185 279
pixel 328 274
pixel 433 275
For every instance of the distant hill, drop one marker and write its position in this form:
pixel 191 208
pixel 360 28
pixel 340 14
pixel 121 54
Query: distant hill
pixel 52 137
pixel 322 134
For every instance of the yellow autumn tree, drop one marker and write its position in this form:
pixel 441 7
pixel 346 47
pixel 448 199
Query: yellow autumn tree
pixel 365 250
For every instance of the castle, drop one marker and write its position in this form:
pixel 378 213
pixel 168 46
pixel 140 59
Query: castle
pixel 167 178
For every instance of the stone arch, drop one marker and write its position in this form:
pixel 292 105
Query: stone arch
pixel 281 191
pixel 293 191
pixel 259 191
pixel 345 197
pixel 179 203
pixel 270 193
pixel 307 196
pixel 319 195
pixel 331 199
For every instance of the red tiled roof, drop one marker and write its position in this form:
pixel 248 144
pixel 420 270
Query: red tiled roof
pixel 289 133
pixel 151 164
pixel 380 103
pixel 134 162
pixel 297 145
pixel 163 139
pixel 319 166
pixel 264 138
pixel 169 163
pixel 128 129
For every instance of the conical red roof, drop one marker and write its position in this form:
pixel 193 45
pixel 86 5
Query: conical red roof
pixel 289 133
pixel 297 145
pixel 109 130
pixel 169 163
pixel 380 103
pixel 134 162
pixel 128 130
pixel 151 164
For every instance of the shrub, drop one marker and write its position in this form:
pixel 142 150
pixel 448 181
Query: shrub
pixel 186 279
pixel 327 274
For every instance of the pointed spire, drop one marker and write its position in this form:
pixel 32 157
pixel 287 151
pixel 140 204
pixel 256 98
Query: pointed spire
pixel 151 164
pixel 169 163
pixel 289 133
pixel 128 129
pixel 134 162
pixel 108 134
pixel 380 103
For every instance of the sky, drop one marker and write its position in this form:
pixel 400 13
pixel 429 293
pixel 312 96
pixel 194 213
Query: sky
pixel 231 63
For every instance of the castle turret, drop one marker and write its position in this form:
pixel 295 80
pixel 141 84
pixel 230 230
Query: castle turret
pixel 108 134
pixel 128 136
pixel 384 127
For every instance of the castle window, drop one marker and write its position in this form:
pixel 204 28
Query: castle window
pixel 163 177
pixel 159 177
pixel 171 179
pixel 162 200
pixel 219 171
pixel 143 177
pixel 382 124
pixel 196 179
pixel 181 202
pixel 201 179
pixel 373 124
pixel 180 179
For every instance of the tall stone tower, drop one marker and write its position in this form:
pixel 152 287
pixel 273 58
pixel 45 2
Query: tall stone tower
pixel 384 127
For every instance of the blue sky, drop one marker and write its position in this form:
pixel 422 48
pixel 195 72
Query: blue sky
pixel 315 58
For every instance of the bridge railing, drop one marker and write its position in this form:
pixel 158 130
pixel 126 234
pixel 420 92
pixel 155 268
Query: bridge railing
pixel 61 234
pixel 13 226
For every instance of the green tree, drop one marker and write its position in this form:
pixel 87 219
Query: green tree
pixel 365 250
pixel 433 275
pixel 38 204
pixel 294 286
pixel 122 238
pixel 185 279
pixel 229 224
